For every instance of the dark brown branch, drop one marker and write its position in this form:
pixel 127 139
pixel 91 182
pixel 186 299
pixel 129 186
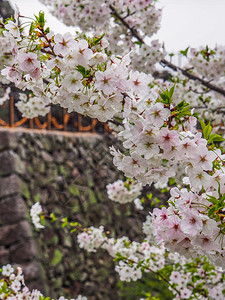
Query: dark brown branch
pixel 165 62
pixel 115 122
pixel 198 92
pixel 157 273
pixel 193 77
pixel 212 109
pixel 122 20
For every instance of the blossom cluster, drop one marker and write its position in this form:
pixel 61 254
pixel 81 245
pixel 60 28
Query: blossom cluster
pixel 32 106
pixel 192 278
pixel 91 239
pixel 102 17
pixel 123 192
pixel 204 62
pixel 144 17
pixel 157 145
pixel 35 212
pixel 6 56
pixel 134 252
pixel 6 95
pixel 159 132
pixel 187 226
pixel 195 274
pixel 73 72
pixel 13 287
pixel 207 64
pixel 142 14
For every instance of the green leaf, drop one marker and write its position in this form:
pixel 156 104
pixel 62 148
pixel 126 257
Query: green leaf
pixel 96 40
pixel 211 211
pixel 149 196
pixel 41 19
pixel 166 96
pixel 184 52
pixel 207 130
pixel 65 222
pixel 215 138
pixel 53 217
pixel 82 70
pixel 57 257
pixel 212 199
pixel 73 189
pixel 138 43
pixel 32 26
pixel 202 124
pixel 47 30
pixel 171 91
pixel 172 181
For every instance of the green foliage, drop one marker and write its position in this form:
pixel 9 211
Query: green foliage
pixel 211 137
pixel 97 40
pixel 172 181
pixel 53 217
pixel 216 210
pixel 57 257
pixel 138 43
pixel 65 222
pixel 207 53
pixel 149 286
pixel 182 110
pixel 206 129
pixel 184 52
pixel 40 19
pixel 166 96
pixel 73 189
pixel 85 73
pixel 92 197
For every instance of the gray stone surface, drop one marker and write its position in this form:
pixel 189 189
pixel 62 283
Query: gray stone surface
pixel 67 174
pixel 4 255
pixel 9 185
pixel 31 270
pixel 12 209
pixel 23 251
pixel 10 162
pixel 10 234
pixel 8 139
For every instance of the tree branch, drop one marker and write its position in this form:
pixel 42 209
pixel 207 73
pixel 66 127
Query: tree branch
pixel 122 20
pixel 193 77
pixel 165 62
pixel 157 273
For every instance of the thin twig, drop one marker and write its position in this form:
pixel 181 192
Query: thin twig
pixel 154 272
pixel 165 62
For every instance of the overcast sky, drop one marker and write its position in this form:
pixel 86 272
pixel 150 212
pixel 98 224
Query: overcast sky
pixel 184 22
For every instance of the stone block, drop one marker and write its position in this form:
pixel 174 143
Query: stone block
pixel 23 251
pixel 7 139
pixel 10 163
pixel 38 284
pixel 31 270
pixel 4 256
pixel 47 157
pixel 10 234
pixel 9 185
pixel 12 209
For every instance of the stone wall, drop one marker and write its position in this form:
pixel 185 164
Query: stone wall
pixel 67 174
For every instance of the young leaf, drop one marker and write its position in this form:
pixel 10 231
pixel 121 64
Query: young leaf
pixel 184 52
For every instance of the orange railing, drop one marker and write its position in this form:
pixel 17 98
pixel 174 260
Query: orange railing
pixel 57 119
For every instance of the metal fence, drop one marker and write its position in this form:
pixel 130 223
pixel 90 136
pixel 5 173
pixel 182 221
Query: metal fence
pixel 57 119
